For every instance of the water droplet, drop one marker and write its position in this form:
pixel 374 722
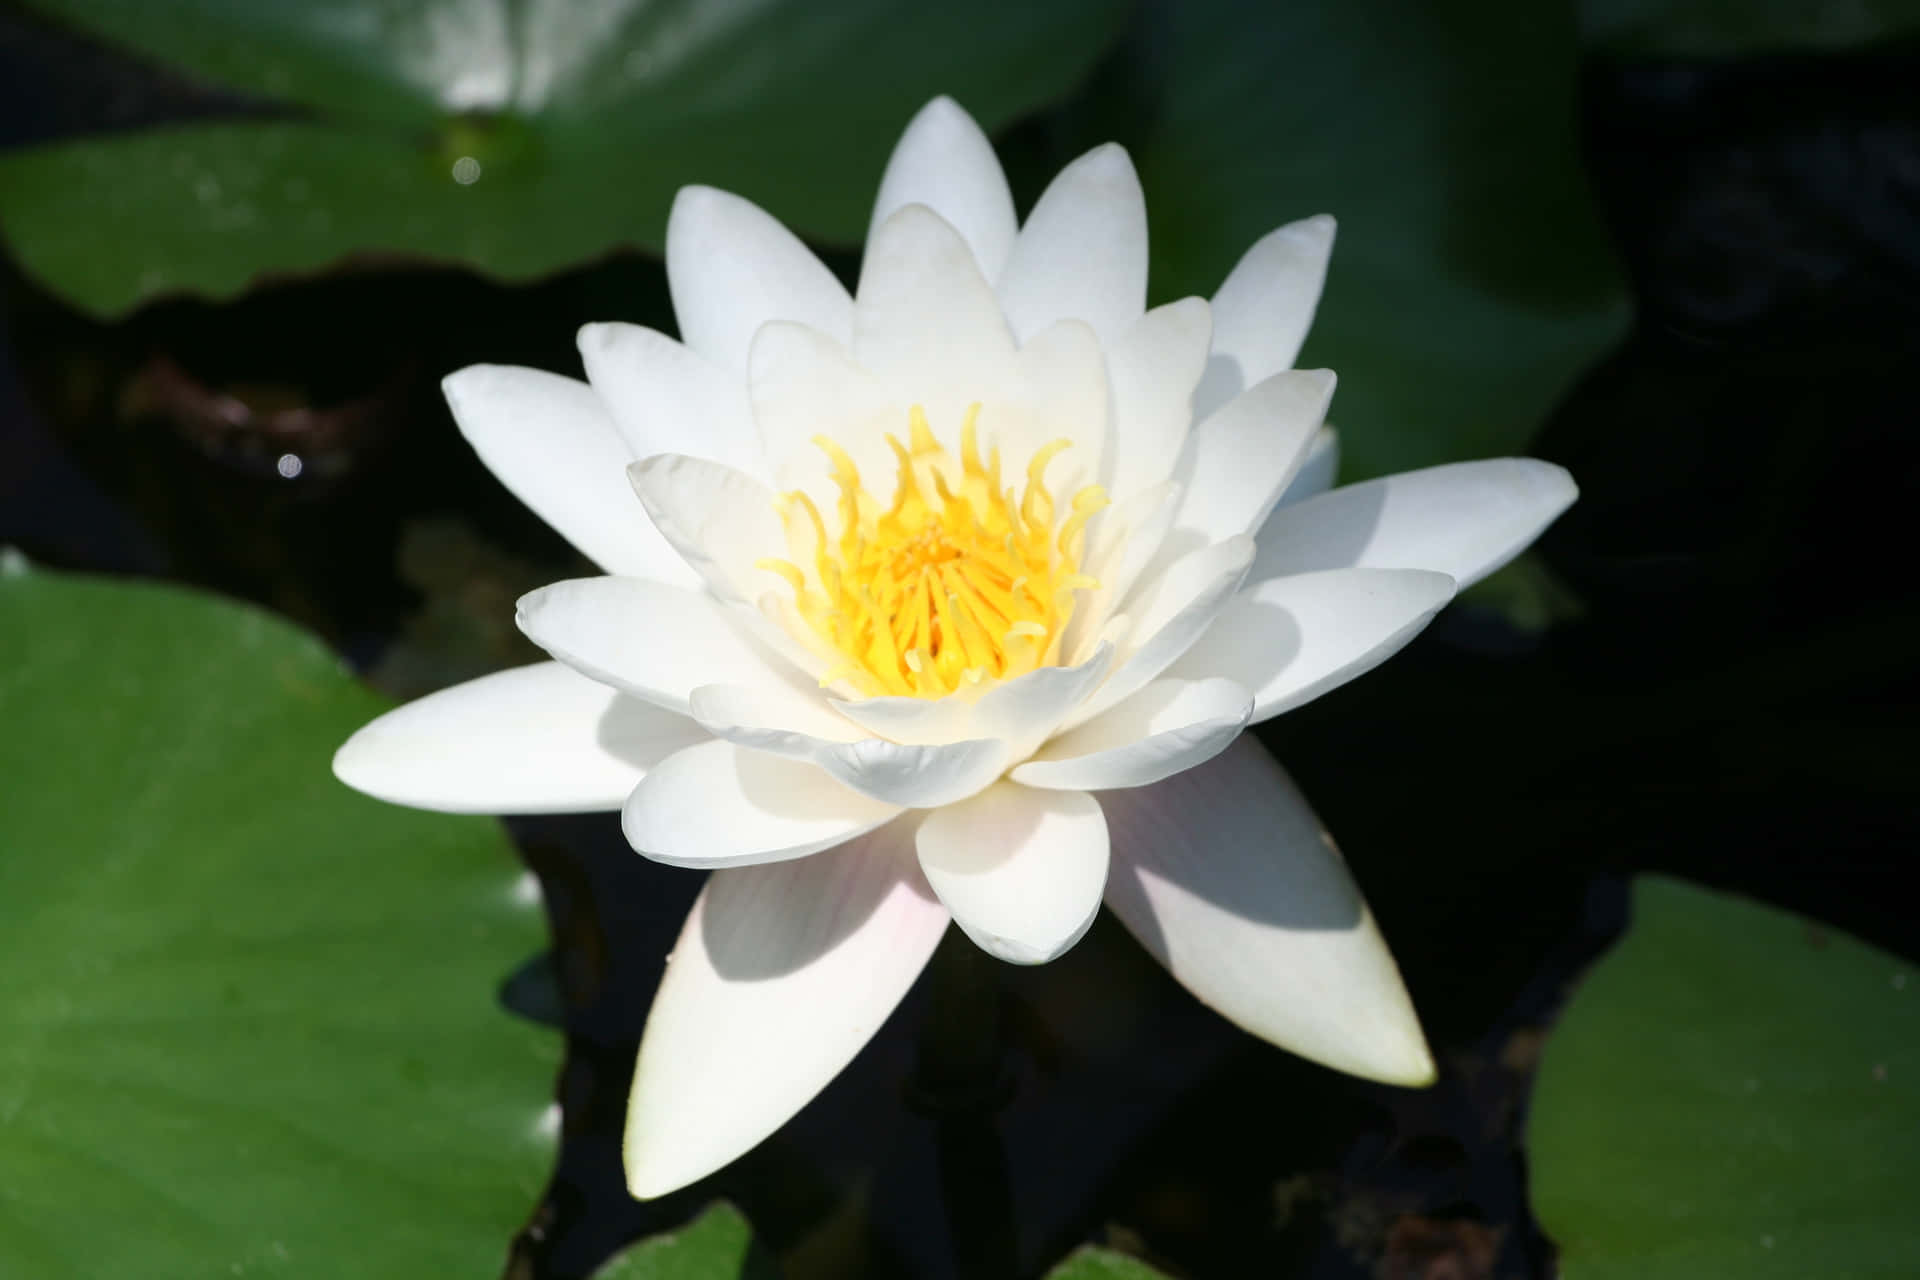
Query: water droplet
pixel 526 889
pixel 289 465
pixel 1766 1242
pixel 466 171
pixel 548 1125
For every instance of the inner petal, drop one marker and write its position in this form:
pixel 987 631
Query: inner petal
pixel 962 579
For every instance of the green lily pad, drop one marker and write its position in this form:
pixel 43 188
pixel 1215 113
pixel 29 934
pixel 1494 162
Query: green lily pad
pixel 1470 281
pixel 249 1021
pixel 1718 29
pixel 516 136
pixel 1734 1091
pixel 718 1245
pixel 1103 1264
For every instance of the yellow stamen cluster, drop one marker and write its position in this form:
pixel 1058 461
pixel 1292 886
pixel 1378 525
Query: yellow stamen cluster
pixel 956 582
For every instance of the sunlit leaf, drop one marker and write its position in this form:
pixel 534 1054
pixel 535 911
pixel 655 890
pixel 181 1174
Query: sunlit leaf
pixel 718 1245
pixel 1470 281
pixel 1103 1264
pixel 249 1022
pixel 514 137
pixel 1734 1091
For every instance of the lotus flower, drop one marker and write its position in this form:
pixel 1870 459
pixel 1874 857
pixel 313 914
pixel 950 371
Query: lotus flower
pixel 949 600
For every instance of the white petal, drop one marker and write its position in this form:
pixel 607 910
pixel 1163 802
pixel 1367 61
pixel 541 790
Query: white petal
pixel 804 384
pixel 1169 726
pixel 1021 870
pixel 551 442
pixel 668 398
pixel 1226 877
pixel 1239 461
pixel 1082 254
pixel 1021 712
pixel 1465 520
pixel 782 973
pixel 1169 614
pixel 910 777
pixel 1264 308
pixel 925 321
pixel 1292 639
pixel 1122 540
pixel 945 162
pixel 1155 365
pixel 1060 393
pixel 1317 470
pixel 721 521
pixel 721 805
pixel 538 739
pixel 656 642
pixel 731 268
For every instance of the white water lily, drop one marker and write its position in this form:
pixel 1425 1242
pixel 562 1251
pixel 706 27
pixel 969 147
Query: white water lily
pixel 949 600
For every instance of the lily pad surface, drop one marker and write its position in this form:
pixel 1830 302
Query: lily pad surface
pixel 516 136
pixel 1734 1091
pixel 249 1024
pixel 1103 1264
pixel 718 1245
pixel 1470 281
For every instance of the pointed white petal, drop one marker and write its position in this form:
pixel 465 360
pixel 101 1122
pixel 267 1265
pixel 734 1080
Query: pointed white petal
pixel 1059 392
pixel 1169 614
pixel 782 973
pixel 668 398
pixel 731 267
pixel 1123 540
pixel 1021 870
pixel 656 642
pixel 805 385
pixel 1155 365
pixel 1264 308
pixel 909 777
pixel 1169 726
pixel 537 739
pixel 1292 639
pixel 721 805
pixel 926 323
pixel 945 162
pixel 721 521
pixel 1224 874
pixel 1465 520
pixel 552 443
pixel 1021 712
pixel 1238 462
pixel 1317 470
pixel 1082 254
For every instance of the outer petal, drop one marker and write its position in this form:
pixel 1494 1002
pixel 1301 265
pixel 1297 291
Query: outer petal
pixel 538 739
pixel 1239 461
pixel 721 805
pixel 782 973
pixel 1292 639
pixel 656 642
pixel 1169 726
pixel 1083 252
pixel 1225 875
pixel 731 268
pixel 668 398
pixel 1021 870
pixel 1465 520
pixel 926 322
pixel 1264 307
pixel 910 777
pixel 1317 470
pixel 1170 614
pixel 551 442
pixel 721 521
pixel 1155 364
pixel 945 162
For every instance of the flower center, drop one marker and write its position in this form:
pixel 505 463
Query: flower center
pixel 959 580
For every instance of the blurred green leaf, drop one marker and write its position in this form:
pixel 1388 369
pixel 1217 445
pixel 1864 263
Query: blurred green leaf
pixel 1103 1264
pixel 718 1245
pixel 1470 281
pixel 1734 1090
pixel 249 1020
pixel 1719 29
pixel 517 136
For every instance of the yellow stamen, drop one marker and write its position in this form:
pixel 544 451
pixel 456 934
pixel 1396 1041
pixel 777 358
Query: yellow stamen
pixel 956 581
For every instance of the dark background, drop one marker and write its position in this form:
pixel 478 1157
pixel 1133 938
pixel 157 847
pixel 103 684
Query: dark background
pixel 1732 700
